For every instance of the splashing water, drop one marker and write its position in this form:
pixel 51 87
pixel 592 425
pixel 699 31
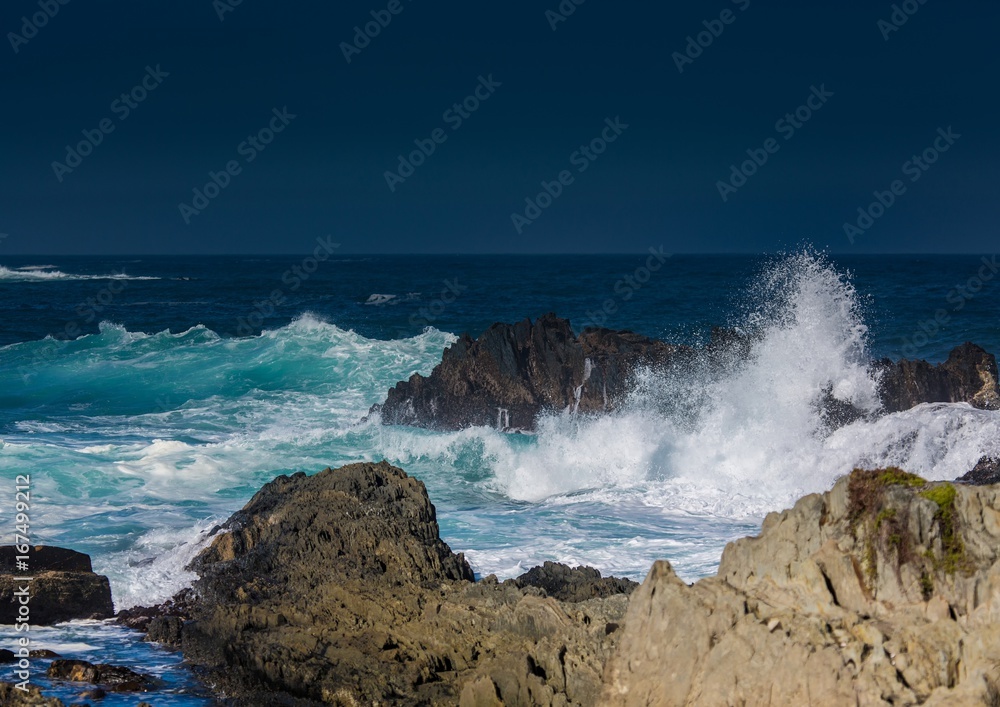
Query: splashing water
pixel 138 444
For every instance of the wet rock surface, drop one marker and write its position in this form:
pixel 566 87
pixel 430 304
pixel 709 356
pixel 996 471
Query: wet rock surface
pixel 514 372
pixel 11 696
pixel 114 678
pixel 336 589
pixel 511 373
pixel 986 471
pixel 885 590
pixel 968 376
pixel 63 587
pixel 163 623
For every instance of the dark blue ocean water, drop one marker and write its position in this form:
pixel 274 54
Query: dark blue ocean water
pixel 681 300
pixel 149 398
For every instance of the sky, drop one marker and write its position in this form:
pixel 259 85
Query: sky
pixel 713 126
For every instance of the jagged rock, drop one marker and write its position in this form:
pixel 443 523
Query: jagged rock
pixel 64 587
pixel 986 471
pixel 884 590
pixel 511 373
pixel 514 372
pixel 968 376
pixel 163 623
pixel 337 589
pixel 573 584
pixel 116 678
pixel 166 630
pixel 11 696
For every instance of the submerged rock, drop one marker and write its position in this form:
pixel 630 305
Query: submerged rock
pixel 115 678
pixel 64 587
pixel 337 589
pixel 884 590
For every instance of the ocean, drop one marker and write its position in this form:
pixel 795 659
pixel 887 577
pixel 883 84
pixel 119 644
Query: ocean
pixel 149 397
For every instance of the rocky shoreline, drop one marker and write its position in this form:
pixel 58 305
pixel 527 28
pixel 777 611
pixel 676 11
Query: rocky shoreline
pixel 336 588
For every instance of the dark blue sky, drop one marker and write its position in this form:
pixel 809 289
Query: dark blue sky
pixel 656 184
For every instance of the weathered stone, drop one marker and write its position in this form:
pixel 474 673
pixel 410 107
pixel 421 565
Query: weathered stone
pixel 45 558
pixel 116 678
pixel 986 471
pixel 885 590
pixel 511 373
pixel 337 589
pixel 12 696
pixel 514 372
pixel 57 595
pixel 968 376
pixel 573 584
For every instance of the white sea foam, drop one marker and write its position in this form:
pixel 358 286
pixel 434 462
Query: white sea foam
pixel 46 273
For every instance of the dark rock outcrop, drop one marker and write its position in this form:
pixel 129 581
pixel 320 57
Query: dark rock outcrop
pixel 336 589
pixel 986 471
pixel 511 373
pixel 573 584
pixel 114 678
pixel 63 588
pixel 163 623
pixel 968 376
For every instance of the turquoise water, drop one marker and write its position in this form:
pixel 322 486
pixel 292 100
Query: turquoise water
pixel 159 417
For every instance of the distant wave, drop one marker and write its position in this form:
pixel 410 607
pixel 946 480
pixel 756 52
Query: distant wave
pixel 46 273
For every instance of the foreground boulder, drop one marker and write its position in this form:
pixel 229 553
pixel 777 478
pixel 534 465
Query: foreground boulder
pixel 64 587
pixel 514 372
pixel 885 590
pixel 337 589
